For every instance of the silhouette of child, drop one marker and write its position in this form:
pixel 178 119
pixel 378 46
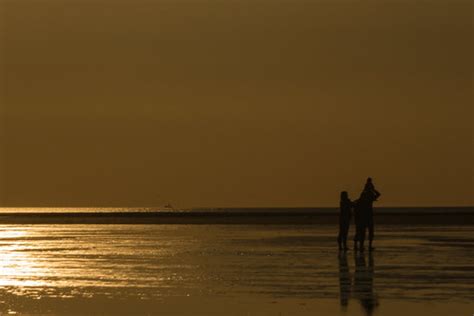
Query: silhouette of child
pixel 369 186
pixel 345 207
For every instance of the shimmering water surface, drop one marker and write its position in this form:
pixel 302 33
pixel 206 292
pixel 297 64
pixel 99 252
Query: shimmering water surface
pixel 233 270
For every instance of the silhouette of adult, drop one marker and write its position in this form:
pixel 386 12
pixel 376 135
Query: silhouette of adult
pixel 345 207
pixel 364 215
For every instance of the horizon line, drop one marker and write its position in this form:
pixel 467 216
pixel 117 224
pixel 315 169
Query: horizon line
pixel 228 207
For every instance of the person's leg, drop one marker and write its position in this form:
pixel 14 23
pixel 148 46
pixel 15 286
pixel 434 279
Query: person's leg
pixel 346 233
pixel 357 231
pixel 362 236
pixel 371 232
pixel 356 235
pixel 339 236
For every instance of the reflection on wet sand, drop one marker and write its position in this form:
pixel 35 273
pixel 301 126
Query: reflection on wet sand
pixel 344 280
pixel 362 287
pixel 201 269
pixel 364 282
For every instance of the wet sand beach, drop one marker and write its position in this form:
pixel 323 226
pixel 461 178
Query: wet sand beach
pixel 233 270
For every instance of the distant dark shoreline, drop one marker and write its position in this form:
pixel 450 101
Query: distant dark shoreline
pixel 319 210
pixel 390 216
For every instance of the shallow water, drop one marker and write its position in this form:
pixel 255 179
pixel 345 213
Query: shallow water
pixel 233 269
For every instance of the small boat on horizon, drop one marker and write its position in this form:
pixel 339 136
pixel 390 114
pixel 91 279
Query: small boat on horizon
pixel 169 206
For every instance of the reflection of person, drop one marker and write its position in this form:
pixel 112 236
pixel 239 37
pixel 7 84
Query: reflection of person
pixel 344 280
pixel 363 288
pixel 345 207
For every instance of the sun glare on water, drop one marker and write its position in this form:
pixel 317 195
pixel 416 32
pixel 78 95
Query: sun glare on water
pixel 18 268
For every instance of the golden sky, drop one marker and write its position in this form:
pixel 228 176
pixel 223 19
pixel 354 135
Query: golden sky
pixel 235 102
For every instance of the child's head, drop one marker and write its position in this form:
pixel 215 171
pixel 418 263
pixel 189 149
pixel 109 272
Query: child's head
pixel 369 185
pixel 344 195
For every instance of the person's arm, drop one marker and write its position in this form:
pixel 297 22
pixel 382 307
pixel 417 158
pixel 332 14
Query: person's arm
pixel 377 194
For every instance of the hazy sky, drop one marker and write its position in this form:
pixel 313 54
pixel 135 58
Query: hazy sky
pixel 235 102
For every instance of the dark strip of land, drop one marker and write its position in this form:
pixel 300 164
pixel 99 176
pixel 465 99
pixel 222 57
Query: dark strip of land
pixel 461 217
